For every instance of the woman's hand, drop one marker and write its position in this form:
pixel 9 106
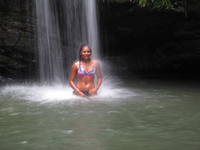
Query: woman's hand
pixel 79 93
pixel 93 91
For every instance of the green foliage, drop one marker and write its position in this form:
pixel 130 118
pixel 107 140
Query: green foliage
pixel 143 3
pixel 167 4
pixel 159 4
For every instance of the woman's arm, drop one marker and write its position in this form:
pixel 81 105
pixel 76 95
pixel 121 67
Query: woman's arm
pixel 99 79
pixel 72 75
pixel 99 76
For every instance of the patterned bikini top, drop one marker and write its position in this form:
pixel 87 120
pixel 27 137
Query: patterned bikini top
pixel 81 71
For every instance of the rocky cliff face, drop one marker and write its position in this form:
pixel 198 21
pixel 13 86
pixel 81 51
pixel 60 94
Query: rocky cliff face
pixel 157 41
pixel 17 57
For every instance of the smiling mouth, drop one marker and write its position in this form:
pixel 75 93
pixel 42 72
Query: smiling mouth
pixel 86 57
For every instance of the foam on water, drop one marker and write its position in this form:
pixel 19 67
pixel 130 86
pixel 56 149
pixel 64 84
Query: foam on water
pixel 56 93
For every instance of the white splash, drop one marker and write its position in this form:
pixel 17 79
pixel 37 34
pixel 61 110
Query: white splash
pixel 57 93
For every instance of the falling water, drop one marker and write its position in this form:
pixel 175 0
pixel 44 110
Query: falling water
pixel 80 27
pixel 74 32
pixel 92 26
pixel 61 34
pixel 49 44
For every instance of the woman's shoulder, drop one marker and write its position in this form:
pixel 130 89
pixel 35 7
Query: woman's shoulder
pixel 96 62
pixel 75 64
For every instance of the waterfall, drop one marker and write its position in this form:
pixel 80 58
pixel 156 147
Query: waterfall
pixel 62 27
pixel 74 31
pixel 49 44
pixel 92 26
pixel 81 27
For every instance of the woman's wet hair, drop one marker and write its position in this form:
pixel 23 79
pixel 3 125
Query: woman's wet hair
pixel 81 47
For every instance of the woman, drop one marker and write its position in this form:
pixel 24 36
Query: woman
pixel 84 71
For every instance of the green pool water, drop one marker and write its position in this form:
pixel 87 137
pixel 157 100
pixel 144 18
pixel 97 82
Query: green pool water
pixel 160 116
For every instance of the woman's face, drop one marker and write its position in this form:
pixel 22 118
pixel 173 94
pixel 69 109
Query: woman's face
pixel 86 53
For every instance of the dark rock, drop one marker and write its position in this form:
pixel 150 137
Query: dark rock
pixel 152 40
pixel 16 40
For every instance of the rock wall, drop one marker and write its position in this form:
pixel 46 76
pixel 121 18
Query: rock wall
pixel 17 50
pixel 151 41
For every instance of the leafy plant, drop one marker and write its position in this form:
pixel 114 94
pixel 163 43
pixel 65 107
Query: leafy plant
pixel 166 4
